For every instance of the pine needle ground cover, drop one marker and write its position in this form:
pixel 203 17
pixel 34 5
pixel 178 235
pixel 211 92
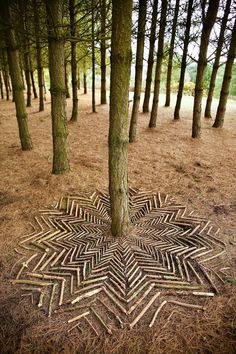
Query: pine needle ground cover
pixel 195 179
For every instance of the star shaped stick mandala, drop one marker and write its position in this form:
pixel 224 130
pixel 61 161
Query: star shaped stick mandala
pixel 75 264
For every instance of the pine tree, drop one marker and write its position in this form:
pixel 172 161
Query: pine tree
pixel 118 128
pixel 57 89
pixel 138 69
pixel 219 120
pixel 208 22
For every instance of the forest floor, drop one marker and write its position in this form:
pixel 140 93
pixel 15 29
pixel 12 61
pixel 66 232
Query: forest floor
pixel 198 173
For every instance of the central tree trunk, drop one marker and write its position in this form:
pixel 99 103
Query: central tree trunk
pixel 118 129
pixel 57 89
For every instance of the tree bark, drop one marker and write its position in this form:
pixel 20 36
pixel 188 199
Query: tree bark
pixel 78 78
pixel 57 89
pixel 93 60
pixel 66 80
pixel 118 128
pixel 171 54
pixel 1 86
pixel 5 74
pixel 219 120
pixel 15 72
pixel 217 60
pixel 26 58
pixel 85 83
pixel 74 115
pixel 138 69
pixel 184 60
pixel 36 6
pixel 103 52
pixel 33 84
pixel 208 23
pixel 150 58
pixel 153 118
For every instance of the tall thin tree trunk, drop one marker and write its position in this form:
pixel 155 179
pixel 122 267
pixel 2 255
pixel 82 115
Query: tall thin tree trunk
pixel 5 74
pixel 219 120
pixel 85 82
pixel 171 54
pixel 150 58
pixel 184 60
pixel 138 69
pixel 103 52
pixel 57 89
pixel 208 23
pixel 74 115
pixel 118 129
pixel 33 84
pixel 93 60
pixel 153 118
pixel 217 60
pixel 36 6
pixel 26 58
pixel 78 78
pixel 1 86
pixel 15 72
pixel 66 80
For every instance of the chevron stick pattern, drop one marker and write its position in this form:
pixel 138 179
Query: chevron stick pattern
pixel 72 264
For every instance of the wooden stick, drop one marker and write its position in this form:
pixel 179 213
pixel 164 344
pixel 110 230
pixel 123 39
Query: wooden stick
pixel 108 328
pixel 184 304
pixel 86 313
pixel 156 313
pixel 144 310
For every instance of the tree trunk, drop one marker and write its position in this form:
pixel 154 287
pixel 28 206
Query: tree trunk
pixel 36 6
pixel 15 72
pixel 57 89
pixel 5 74
pixel 118 128
pixel 184 60
pixel 153 118
pixel 26 58
pixel 103 52
pixel 93 61
pixel 78 78
pixel 33 84
pixel 217 60
pixel 1 86
pixel 150 58
pixel 138 69
pixel 219 120
pixel 74 115
pixel 171 54
pixel 85 83
pixel 208 23
pixel 66 80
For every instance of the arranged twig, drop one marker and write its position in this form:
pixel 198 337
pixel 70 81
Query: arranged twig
pixel 156 313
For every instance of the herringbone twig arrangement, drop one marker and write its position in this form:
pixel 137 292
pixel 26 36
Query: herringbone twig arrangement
pixel 111 282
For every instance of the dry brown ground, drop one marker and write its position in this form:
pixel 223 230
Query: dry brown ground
pixel 199 173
